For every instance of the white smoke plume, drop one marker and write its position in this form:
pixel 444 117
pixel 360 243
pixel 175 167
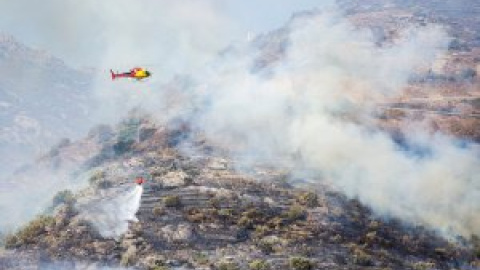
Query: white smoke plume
pixel 23 197
pixel 314 107
pixel 111 211
pixel 311 107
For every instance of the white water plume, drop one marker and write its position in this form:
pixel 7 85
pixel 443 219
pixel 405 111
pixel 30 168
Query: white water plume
pixel 112 210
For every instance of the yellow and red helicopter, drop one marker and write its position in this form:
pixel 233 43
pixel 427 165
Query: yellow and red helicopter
pixel 137 73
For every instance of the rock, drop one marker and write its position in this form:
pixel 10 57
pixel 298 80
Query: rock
pixel 174 179
pixel 218 164
pixel 103 248
pixel 269 201
pixel 129 256
pixel 152 261
pixel 183 233
pixel 63 214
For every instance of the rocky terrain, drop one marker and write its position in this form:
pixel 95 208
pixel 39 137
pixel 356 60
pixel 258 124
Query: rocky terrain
pixel 198 211
pixel 447 95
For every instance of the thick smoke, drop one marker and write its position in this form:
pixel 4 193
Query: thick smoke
pixel 165 37
pixel 112 210
pixel 314 108
pixel 311 108
pixel 23 197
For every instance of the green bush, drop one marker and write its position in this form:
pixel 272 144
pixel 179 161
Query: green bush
pixel 299 263
pixel 259 265
pixel 96 176
pixel 228 266
pixel 172 201
pixel 225 212
pixel 200 258
pixel 11 241
pixel 309 199
pixel 160 267
pixel 360 257
pixel 266 246
pixel 128 130
pixel 64 196
pixel 36 227
pixel 127 133
pixel 104 184
pixel 296 212
pixel 158 210
pixel 476 245
pixel 245 222
pixel 423 265
pixel 122 147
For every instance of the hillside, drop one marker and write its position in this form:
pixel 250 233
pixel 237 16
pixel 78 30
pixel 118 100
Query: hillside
pixel 342 140
pixel 198 212
pixel 38 93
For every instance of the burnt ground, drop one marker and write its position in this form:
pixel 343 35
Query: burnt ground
pixel 198 212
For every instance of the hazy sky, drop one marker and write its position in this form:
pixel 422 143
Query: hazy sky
pixel 82 32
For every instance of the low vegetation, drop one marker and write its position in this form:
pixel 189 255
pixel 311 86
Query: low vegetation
pixel 295 212
pixel 228 266
pixel 300 263
pixel 259 265
pixel 172 201
pixel 63 197
pixel 308 199
pixel 30 232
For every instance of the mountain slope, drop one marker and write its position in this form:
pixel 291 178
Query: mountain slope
pixel 41 101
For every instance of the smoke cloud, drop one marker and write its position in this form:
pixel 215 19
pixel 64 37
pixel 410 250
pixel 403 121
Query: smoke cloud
pixel 24 196
pixel 311 107
pixel 314 108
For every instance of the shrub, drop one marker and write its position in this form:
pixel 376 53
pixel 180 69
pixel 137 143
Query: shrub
pixel 64 196
pixel 259 265
pixel 214 202
pixel 104 184
pixel 128 130
pixel 225 212
pixel 200 258
pixel 36 227
pixel 370 237
pixel 160 267
pixel 309 199
pixel 128 257
pixel 126 136
pixel 296 212
pixel 158 210
pixel 265 246
pixel 261 230
pixel 468 73
pixel 96 176
pixel 245 222
pixel 299 263
pixel 476 245
pixel 11 241
pixel 228 266
pixel 360 257
pixel 253 213
pixel 121 147
pixel 423 265
pixel 172 201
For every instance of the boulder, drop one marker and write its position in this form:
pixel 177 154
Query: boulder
pixel 182 233
pixel 175 179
